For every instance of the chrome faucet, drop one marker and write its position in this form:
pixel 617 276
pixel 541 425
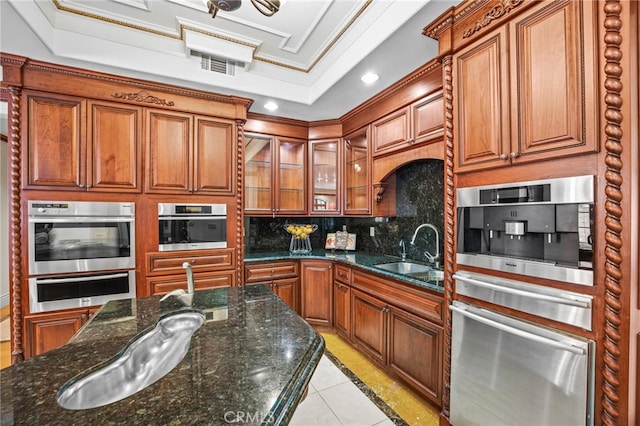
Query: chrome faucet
pixel 430 258
pixel 403 254
pixel 185 298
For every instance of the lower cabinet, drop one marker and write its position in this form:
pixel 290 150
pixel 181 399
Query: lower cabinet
pixel 44 332
pixel 316 295
pixel 281 277
pixel 202 281
pixel 342 309
pixel 399 331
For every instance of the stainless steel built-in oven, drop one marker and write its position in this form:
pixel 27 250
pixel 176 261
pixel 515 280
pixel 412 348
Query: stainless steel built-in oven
pixel 539 228
pixel 192 226
pixel 75 236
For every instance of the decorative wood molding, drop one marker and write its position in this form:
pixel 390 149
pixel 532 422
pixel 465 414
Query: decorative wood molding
pixel 240 202
pixel 144 97
pixel 378 190
pixel 15 118
pixel 499 10
pixel 613 129
pixel 449 224
pixel 276 119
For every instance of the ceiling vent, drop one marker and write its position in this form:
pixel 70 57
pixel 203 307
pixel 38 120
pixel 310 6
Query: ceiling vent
pixel 219 65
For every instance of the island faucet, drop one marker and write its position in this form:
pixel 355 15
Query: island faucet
pixel 430 258
pixel 185 298
pixel 190 282
pixel 403 254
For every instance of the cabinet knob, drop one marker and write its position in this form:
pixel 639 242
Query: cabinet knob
pixel 503 157
pixel 514 155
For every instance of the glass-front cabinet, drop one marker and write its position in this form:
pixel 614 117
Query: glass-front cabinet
pixel 324 177
pixel 275 175
pixel 357 187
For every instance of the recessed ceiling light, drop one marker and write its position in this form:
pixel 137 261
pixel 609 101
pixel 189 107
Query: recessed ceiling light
pixel 369 78
pixel 271 106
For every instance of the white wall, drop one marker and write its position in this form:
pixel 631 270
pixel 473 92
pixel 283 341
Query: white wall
pixel 4 210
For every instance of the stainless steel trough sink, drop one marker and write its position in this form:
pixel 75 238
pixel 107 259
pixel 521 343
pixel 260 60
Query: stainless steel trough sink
pixel 404 267
pixel 148 357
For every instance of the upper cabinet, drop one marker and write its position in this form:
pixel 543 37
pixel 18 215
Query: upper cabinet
pixel 419 123
pixel 275 175
pixel 189 154
pixel 357 173
pixel 526 91
pixel 79 145
pixel 324 177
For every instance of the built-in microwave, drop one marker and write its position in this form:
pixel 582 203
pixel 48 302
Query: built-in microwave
pixel 191 226
pixel 538 228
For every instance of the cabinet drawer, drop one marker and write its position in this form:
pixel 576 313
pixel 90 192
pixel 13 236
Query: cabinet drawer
pixel 409 298
pixel 202 281
pixel 270 271
pixel 171 263
pixel 342 273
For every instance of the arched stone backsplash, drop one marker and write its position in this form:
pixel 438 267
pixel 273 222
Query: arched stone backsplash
pixel 420 199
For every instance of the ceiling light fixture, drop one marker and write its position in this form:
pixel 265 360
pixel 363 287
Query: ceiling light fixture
pixel 369 78
pixel 266 7
pixel 271 106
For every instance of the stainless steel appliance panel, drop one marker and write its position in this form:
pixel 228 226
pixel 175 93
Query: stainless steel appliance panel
pixel 191 226
pixel 506 371
pixel 69 237
pixel 75 291
pixel 558 305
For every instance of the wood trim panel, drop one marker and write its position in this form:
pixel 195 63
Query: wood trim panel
pixel 240 201
pixel 165 283
pixel 163 263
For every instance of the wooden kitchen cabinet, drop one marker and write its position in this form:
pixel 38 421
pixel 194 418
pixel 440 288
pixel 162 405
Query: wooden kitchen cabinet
pixel 324 177
pixel 369 329
pixel 202 281
pixel 48 331
pixel 281 277
pixel 275 175
pixel 189 154
pixel 392 131
pixel 80 145
pixel 342 301
pixel 357 173
pixel 526 91
pixel 316 292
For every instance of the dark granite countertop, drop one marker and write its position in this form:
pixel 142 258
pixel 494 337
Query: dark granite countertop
pixel 365 261
pixel 252 360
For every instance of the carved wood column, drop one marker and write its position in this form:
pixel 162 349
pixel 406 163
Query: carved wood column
pixel 614 227
pixel 240 202
pixel 449 225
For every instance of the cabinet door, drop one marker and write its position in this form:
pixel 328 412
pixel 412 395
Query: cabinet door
pixel 481 106
pixel 316 281
pixel 357 178
pixel 368 327
pixel 56 141
pixel 287 290
pixel 214 157
pixel 202 281
pixel 291 181
pixel 342 309
pixel 169 153
pixel 49 331
pixel 114 148
pixel 324 177
pixel 428 119
pixel 553 84
pixel 258 174
pixel 391 132
pixel 415 347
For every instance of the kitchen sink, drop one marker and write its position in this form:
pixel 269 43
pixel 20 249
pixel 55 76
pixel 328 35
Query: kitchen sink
pixel 405 268
pixel 147 358
pixel 433 276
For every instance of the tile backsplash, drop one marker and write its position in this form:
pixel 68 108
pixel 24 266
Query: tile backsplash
pixel 420 199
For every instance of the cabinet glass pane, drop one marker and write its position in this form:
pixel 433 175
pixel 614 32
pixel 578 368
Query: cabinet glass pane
pixel 291 176
pixel 324 175
pixel 356 174
pixel 257 173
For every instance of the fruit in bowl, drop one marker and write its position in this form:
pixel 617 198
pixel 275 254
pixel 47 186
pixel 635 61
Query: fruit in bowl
pixel 300 232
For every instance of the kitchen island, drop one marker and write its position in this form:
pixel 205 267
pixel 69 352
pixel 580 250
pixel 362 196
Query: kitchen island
pixel 249 363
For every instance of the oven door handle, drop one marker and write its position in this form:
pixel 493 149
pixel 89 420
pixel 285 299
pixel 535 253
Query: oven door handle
pixel 78 219
pixel 538 296
pixel 77 279
pixel 517 332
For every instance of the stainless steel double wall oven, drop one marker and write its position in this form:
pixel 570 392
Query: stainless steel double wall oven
pixel 80 253
pixel 506 366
